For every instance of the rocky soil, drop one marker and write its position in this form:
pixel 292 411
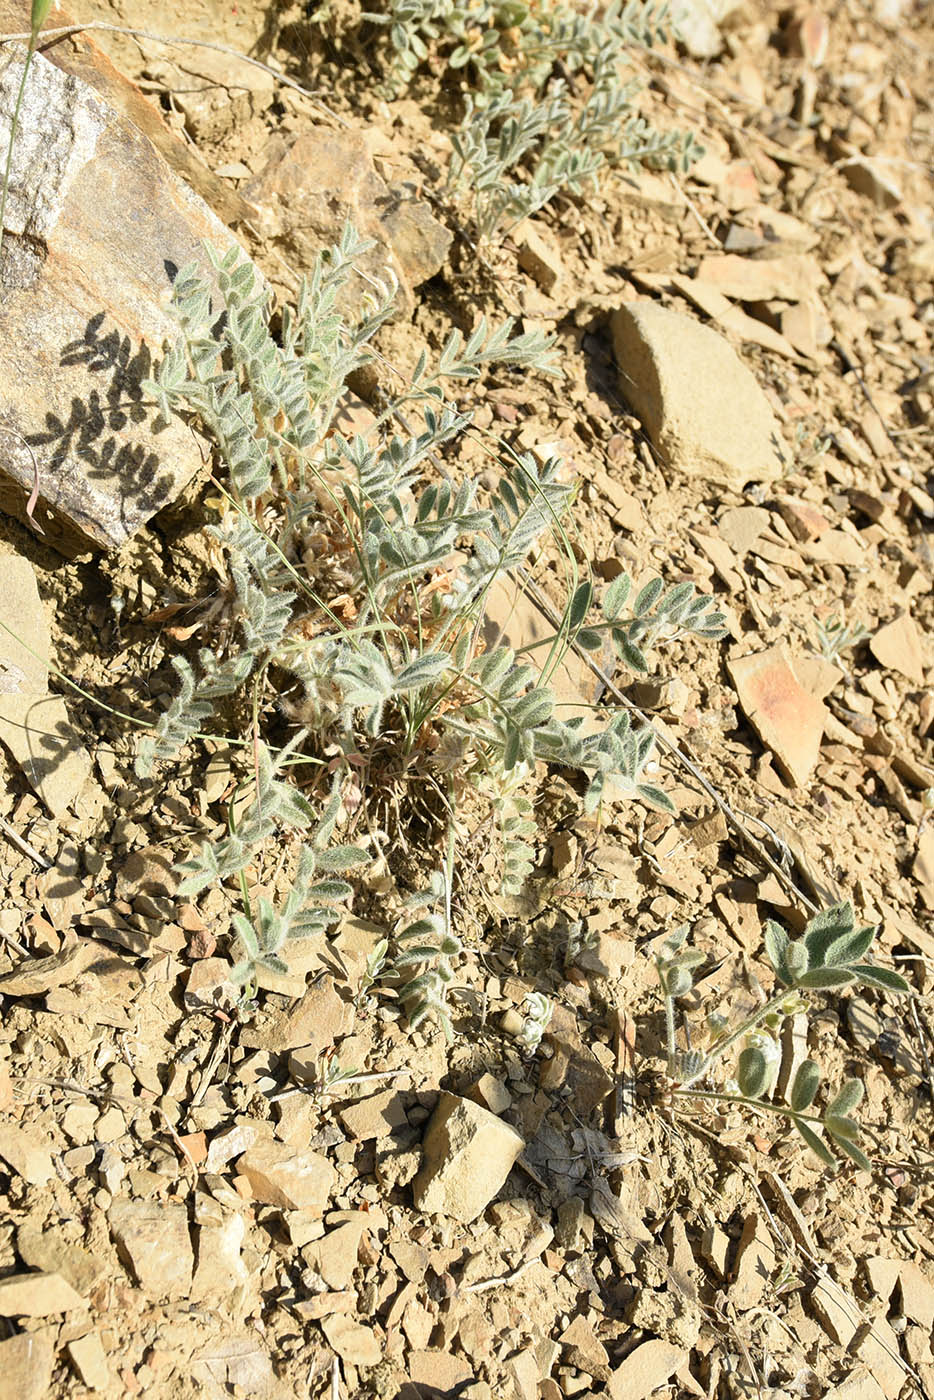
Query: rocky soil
pixel 317 1201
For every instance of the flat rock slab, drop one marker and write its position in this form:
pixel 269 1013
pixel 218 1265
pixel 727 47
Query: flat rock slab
pixel 645 1369
pixel 153 1240
pixel 897 647
pixel 26 1367
pixel 96 226
pixel 280 1176
pixel 699 403
pixel 788 720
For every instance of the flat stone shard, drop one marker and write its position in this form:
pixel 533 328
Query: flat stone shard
pixel 96 226
pixel 645 1369
pixel 788 720
pixel 897 647
pixel 153 1239
pixel 37 1295
pixel 699 403
pixel 468 1154
pixel 29 1157
pixel 280 1176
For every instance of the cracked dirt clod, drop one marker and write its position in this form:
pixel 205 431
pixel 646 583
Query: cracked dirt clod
pixel 468 1154
pixel 701 406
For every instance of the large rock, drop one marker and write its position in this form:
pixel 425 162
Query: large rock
pixel 309 190
pixel 699 403
pixel 153 1239
pixel 96 226
pixel 26 1366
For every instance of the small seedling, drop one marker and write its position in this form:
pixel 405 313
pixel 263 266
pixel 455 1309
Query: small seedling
pixel 834 636
pixel 538 1013
pixel 828 956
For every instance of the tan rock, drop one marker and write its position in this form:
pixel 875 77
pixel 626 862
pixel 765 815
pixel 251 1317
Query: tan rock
pixel 699 403
pixel 377 1116
pixel 491 1093
pixel 308 191
pixel 897 646
pixel 89 1359
pixel 879 1350
pixel 645 1369
pixel 917 1292
pixel 754 1264
pixel 836 1310
pixel 26 1367
pixel 787 719
pixel 21 1149
pixel 46 1250
pixel 539 255
pixel 209 986
pixel 334 1256
pixel 467 1155
pixel 790 276
pixel 320 1018
pixel 37 1295
pixel 439 1370
pixel 859 1385
pixel 92 287
pixel 280 1176
pixel 804 521
pixel 36 976
pixel 220 1271
pixel 358 1345
pixel 741 526
pixel 584 1350
pixel 152 1239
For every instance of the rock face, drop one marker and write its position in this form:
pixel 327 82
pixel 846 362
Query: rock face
pixel 96 226
pixel 699 403
pixel 308 191
pixel 468 1154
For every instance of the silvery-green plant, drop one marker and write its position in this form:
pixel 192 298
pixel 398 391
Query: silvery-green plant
pixel 354 579
pixel 426 947
pixel 539 1009
pixel 526 136
pixel 834 636
pixel 827 957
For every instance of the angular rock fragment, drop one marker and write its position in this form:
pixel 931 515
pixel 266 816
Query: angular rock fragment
pixel 21 1150
pixel 36 976
pixel 699 403
pixel 352 1342
pixel 309 191
pixel 897 646
pixel 96 226
pixel 37 1295
pixel 787 719
pixel 280 1176
pixel 645 1369
pixel 153 1240
pixel 468 1154
pixel 89 1359
pixel 377 1116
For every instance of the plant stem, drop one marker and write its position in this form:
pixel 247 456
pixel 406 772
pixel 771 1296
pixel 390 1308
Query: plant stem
pixel 720 1048
pixel 719 1096
pixel 671 1033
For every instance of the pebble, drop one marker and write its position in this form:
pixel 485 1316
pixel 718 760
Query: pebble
pixel 467 1155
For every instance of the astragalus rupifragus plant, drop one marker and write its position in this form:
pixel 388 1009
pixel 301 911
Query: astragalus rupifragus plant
pixel 826 958
pixel 354 575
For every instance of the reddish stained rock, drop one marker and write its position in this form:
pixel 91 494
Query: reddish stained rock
pixel 787 719
pixel 804 520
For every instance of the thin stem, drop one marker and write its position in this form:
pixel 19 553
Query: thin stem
pixel 671 1033
pixel 717 1096
pixel 718 1050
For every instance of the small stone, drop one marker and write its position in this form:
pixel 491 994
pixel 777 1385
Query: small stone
pixel 538 255
pixel 491 1093
pixel 791 276
pixel 468 1153
pixel 334 1256
pixel 715 1247
pixel 645 1369
pixel 897 647
pixel 26 1367
pixel 754 1264
pixel 879 1350
pixel 584 1350
pixel 209 986
pixel 836 1311
pixel 701 406
pixel 808 37
pixel 279 1176
pixel 153 1241
pixel 320 1018
pixel 872 178
pixel 22 1151
pixel 375 1117
pixel 917 1292
pixel 859 1385
pixel 37 1295
pixel 741 526
pixel 36 976
pixel 787 719
pixel 220 1269
pixel 355 1344
pixel 89 1359
pixel 439 1370
pixel 804 521
pixel 46 1250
